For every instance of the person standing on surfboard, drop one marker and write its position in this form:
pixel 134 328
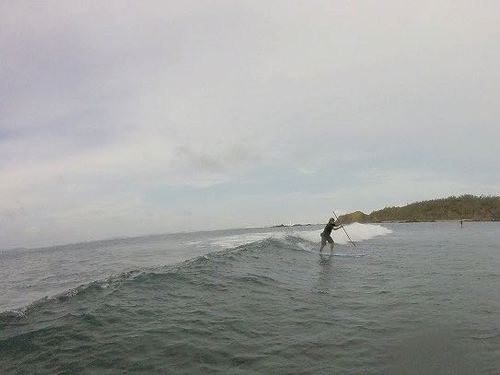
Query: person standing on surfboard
pixel 326 235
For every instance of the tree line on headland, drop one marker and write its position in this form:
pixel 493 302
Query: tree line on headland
pixel 464 207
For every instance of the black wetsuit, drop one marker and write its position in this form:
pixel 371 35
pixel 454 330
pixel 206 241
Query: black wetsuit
pixel 328 230
pixel 326 236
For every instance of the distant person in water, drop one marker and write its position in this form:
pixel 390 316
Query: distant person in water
pixel 326 235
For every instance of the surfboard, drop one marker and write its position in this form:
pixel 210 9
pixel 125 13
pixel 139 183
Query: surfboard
pixel 342 255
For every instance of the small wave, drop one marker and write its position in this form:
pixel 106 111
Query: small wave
pixel 232 248
pixel 494 334
pixel 139 275
pixel 227 242
pixel 12 315
pixel 22 313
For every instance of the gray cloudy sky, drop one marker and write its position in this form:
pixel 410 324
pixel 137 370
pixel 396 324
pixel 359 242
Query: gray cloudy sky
pixel 122 118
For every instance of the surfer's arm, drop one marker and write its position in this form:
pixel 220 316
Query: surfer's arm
pixel 337 227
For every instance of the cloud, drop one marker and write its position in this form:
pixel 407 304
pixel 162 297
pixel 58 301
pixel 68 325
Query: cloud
pixel 126 118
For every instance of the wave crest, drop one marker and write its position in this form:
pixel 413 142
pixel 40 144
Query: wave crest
pixel 233 248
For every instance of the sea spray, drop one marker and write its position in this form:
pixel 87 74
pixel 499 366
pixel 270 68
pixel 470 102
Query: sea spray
pixel 357 231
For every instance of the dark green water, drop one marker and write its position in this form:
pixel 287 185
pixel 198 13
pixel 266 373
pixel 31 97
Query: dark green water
pixel 424 299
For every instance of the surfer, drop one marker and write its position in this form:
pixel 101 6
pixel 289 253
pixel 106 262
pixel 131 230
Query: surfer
pixel 326 235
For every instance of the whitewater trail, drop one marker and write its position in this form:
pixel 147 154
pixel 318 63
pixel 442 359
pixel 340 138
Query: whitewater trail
pixel 358 232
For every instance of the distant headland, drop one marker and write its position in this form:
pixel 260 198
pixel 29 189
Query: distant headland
pixel 464 207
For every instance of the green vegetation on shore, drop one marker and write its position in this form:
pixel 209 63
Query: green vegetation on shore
pixel 465 207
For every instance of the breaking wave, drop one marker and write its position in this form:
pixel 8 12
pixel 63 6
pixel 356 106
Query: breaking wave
pixel 232 245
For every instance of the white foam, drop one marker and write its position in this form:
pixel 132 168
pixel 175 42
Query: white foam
pixel 243 239
pixel 357 232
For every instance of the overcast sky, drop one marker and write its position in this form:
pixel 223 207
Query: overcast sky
pixel 125 118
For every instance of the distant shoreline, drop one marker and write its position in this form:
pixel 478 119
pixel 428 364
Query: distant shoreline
pixel 391 222
pixel 430 221
pixel 462 208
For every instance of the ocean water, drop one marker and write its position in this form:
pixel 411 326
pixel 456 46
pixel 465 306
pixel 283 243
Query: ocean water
pixel 418 298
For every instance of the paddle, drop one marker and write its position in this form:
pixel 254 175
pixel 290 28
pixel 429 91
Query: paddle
pixel 336 218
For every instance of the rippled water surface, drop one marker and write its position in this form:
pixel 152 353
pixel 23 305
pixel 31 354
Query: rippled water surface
pixel 410 298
